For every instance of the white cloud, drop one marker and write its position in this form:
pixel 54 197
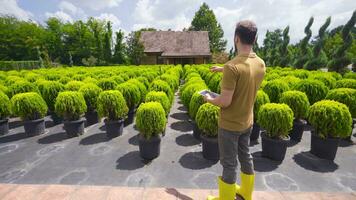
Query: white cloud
pixel 96 4
pixel 112 18
pixel 60 15
pixel 162 14
pixel 273 14
pixel 67 12
pixel 10 7
pixel 68 7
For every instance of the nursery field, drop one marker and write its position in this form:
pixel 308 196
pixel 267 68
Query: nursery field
pixel 148 126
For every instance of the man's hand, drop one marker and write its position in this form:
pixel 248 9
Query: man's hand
pixel 216 69
pixel 208 98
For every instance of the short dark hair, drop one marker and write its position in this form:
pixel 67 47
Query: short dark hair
pixel 247 31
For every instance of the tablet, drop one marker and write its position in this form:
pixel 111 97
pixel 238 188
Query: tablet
pixel 212 94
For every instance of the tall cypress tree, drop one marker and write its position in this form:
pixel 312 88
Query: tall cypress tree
pixel 108 43
pixel 340 60
pixel 304 50
pixel 120 49
pixel 284 52
pixel 319 58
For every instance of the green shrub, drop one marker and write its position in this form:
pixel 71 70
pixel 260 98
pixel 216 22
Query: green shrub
pixel 272 76
pixel 144 80
pixel 21 87
pixel 346 96
pixel 172 80
pixel 350 75
pixel 70 105
pixel 290 80
pixel 28 106
pixel 118 79
pixel 52 76
pixel 90 80
pixel 346 83
pixel 160 85
pixel 32 77
pixel 276 119
pixel 188 92
pixel 107 84
pixel 274 89
pixel 79 77
pixel 327 79
pixel 150 119
pixel 195 102
pixel 74 85
pixel 315 90
pixel 112 104
pixel 261 99
pixel 64 80
pixel 5 106
pixel 207 119
pixel 49 91
pixel 330 119
pixel 141 87
pixel 214 82
pixel 131 94
pixel 301 73
pixel 3 89
pixel 159 97
pixel 90 93
pixel 298 102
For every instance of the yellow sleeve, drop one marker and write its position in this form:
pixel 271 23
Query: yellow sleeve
pixel 229 78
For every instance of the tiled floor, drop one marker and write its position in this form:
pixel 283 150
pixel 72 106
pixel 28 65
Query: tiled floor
pixel 75 192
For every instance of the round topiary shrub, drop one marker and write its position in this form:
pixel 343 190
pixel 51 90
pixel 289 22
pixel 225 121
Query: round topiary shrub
pixel 298 102
pixel 160 85
pixel 274 89
pixel 90 93
pixel 112 104
pixel 70 105
pixel 131 94
pixel 346 83
pixel 49 91
pixel 64 80
pixel 21 87
pixel 214 82
pixel 346 96
pixel 172 80
pixel 150 119
pixel 261 99
pixel 207 119
pixel 141 87
pixel 195 102
pixel 350 75
pixel 28 106
pixel 118 79
pixel 314 89
pixel 161 98
pixel 290 80
pixel 276 119
pixel 74 85
pixel 188 92
pixel 327 79
pixel 107 84
pixel 90 80
pixel 331 119
pixel 5 106
pixel 144 80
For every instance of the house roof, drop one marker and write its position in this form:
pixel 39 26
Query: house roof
pixel 176 43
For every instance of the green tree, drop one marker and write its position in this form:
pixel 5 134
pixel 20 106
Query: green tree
pixel 319 58
pixel 304 52
pixel 340 59
pixel 271 43
pixel 135 48
pixel 205 20
pixel 120 49
pixel 284 52
pixel 108 43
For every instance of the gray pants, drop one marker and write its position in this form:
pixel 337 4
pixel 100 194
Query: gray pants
pixel 234 144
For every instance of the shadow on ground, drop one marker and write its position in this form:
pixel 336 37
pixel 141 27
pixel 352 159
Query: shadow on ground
pixel 183 126
pixel 310 162
pixel 12 137
pixel 134 140
pixel 180 116
pixel 176 193
pixel 186 140
pixel 94 139
pixel 195 160
pixel 262 164
pixel 53 138
pixel 130 161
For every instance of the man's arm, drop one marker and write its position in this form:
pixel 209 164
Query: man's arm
pixel 223 101
pixel 216 69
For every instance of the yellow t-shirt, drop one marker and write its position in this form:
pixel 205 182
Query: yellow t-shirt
pixel 244 75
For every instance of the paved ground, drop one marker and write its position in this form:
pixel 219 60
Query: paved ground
pixel 67 192
pixel 91 159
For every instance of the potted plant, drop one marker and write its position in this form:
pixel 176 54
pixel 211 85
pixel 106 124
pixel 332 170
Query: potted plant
pixel 346 83
pixel 73 85
pixel 160 85
pixel 31 108
pixel 274 89
pixel 5 111
pixel 261 99
pixel 107 84
pixel 161 98
pixel 90 93
pixel 346 96
pixel 21 86
pixel 207 121
pixel 277 121
pixel 299 103
pixel 112 105
pixel 141 87
pixel 132 97
pixel 71 106
pixel 151 122
pixel 314 89
pixel 49 91
pixel 331 121
pixel 196 101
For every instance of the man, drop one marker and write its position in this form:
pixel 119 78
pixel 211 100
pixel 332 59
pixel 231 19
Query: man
pixel 242 77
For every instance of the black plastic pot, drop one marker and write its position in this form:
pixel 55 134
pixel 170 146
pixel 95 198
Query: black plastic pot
pixel 91 118
pixel 4 126
pixel 56 119
pixel 74 128
pixel 149 148
pixel 274 149
pixel 114 128
pixel 297 132
pixel 210 147
pixel 34 127
pixel 349 139
pixel 324 148
pixel 196 131
pixel 255 133
pixel 130 117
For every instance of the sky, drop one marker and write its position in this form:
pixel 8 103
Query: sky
pixel 129 15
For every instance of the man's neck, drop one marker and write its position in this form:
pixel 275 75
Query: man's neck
pixel 243 50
